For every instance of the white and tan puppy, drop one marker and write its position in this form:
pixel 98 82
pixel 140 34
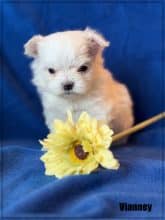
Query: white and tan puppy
pixel 69 73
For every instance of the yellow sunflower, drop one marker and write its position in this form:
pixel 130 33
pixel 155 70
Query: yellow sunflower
pixel 78 148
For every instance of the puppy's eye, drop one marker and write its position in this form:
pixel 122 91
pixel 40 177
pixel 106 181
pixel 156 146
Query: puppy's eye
pixel 82 68
pixel 51 70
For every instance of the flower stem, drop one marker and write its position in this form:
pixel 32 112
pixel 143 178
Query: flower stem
pixel 138 127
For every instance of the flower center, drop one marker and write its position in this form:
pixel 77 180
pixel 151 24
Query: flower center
pixel 79 152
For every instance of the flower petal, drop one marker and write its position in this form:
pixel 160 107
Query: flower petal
pixel 87 147
pixel 90 166
pixel 106 134
pixel 106 159
pixel 70 118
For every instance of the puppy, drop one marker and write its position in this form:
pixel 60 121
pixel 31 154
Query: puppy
pixel 69 73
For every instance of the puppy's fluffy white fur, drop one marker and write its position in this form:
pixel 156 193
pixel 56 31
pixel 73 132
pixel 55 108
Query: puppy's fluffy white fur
pixel 95 90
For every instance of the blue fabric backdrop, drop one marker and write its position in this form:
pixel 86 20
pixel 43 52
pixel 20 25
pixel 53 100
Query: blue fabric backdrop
pixel 135 57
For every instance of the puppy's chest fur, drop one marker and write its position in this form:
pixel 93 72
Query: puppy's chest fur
pixel 56 108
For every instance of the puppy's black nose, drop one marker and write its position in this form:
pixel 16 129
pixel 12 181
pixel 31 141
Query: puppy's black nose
pixel 68 86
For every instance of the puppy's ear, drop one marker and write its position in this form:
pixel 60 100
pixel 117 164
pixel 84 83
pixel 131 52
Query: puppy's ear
pixel 95 40
pixel 31 47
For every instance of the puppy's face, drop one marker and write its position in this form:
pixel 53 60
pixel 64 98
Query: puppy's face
pixel 64 62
